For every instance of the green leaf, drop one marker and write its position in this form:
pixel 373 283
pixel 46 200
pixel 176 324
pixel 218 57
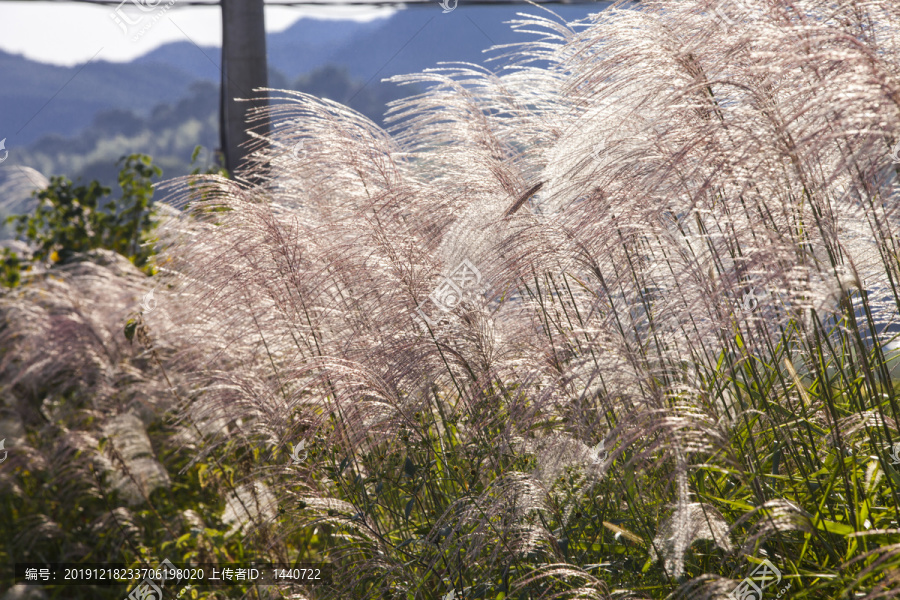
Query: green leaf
pixel 408 509
pixel 130 328
pixel 837 528
pixel 409 467
pixel 744 506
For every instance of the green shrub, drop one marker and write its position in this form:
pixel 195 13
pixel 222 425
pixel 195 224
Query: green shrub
pixel 72 219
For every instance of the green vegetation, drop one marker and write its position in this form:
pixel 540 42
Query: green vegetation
pixel 72 219
pixel 674 362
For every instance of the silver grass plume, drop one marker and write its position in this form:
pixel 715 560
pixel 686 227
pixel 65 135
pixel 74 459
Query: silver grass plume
pixel 741 192
pixel 689 522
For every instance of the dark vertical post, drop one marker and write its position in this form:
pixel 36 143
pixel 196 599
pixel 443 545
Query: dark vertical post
pixel 243 69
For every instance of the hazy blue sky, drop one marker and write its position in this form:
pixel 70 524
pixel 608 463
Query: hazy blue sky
pixel 72 33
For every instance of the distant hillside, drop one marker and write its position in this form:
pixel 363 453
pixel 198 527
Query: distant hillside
pixel 170 132
pixel 38 99
pixel 78 120
pixel 407 41
pixel 305 46
pixel 419 38
pixel 65 100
